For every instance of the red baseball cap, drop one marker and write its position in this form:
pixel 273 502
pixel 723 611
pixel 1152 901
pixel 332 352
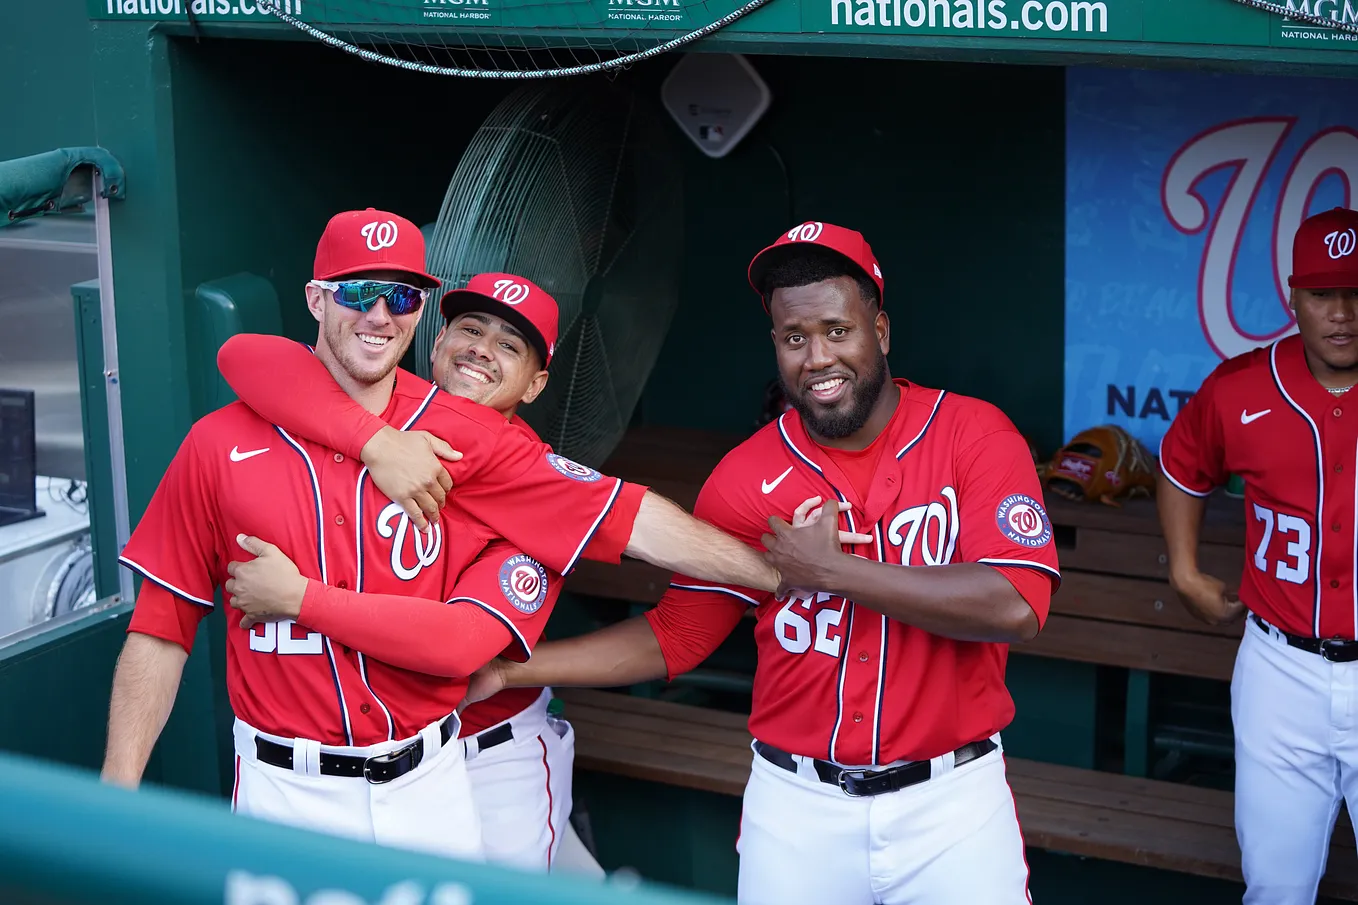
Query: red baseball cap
pixel 518 300
pixel 356 241
pixel 848 243
pixel 1325 251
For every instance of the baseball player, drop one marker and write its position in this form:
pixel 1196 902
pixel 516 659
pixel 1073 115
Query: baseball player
pixel 878 700
pixel 495 351
pixel 325 736
pixel 1281 418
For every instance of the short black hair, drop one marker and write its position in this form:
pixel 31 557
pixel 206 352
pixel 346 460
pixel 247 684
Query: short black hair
pixel 801 265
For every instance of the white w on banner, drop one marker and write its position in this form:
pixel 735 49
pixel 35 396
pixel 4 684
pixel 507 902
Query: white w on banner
pixel 1183 191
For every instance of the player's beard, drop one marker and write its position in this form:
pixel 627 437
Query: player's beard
pixel 339 335
pixel 837 423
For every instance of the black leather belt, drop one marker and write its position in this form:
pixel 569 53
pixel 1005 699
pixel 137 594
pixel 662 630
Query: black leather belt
pixel 860 783
pixel 377 769
pixel 1336 650
pixel 492 737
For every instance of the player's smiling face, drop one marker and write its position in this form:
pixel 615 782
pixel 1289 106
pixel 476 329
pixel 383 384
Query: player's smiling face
pixel 1327 320
pixel 831 348
pixel 484 358
pixel 367 345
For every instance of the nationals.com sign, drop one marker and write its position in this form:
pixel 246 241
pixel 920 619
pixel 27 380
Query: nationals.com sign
pixel 1183 191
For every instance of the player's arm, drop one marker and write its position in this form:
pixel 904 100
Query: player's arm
pixel 436 637
pixel 681 631
pixel 1192 465
pixel 407 465
pixel 668 640
pixel 145 683
pixel 174 549
pixel 997 591
pixel 526 486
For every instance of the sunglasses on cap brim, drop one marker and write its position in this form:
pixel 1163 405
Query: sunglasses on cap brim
pixel 361 295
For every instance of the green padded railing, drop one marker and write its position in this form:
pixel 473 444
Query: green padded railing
pixel 67 839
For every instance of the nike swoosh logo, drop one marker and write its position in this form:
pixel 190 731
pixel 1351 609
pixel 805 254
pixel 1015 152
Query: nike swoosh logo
pixel 768 487
pixel 238 456
pixel 1246 418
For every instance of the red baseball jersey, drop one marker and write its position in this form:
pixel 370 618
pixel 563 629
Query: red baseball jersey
pixel 236 473
pixel 1264 416
pixel 950 480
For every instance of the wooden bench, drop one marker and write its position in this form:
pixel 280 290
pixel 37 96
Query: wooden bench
pixel 1066 809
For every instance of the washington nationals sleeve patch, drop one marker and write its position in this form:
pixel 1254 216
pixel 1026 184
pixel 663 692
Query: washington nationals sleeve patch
pixel 1023 520
pixel 523 581
pixel 573 470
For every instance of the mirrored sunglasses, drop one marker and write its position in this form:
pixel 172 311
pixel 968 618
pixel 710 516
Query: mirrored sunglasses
pixel 361 295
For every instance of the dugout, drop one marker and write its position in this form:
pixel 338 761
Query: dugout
pixel 948 151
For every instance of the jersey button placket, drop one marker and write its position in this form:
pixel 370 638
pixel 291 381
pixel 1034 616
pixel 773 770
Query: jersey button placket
pixel 858 716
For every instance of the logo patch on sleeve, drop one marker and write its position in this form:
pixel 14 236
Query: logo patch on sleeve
pixel 523 581
pixel 1023 520
pixel 573 470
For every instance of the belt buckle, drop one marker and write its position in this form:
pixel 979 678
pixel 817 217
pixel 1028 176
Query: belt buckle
pixel 1333 649
pixel 842 781
pixel 389 757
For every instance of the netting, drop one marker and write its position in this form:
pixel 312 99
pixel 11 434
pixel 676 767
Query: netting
pixel 534 39
pixel 508 39
pixel 1301 15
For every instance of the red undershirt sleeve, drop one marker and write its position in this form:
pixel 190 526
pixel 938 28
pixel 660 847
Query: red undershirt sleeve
pixel 427 636
pixel 286 384
pixel 690 625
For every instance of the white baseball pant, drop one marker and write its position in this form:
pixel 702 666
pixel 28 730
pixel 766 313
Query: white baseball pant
pixel 1296 759
pixel 951 840
pixel 522 787
pixel 430 809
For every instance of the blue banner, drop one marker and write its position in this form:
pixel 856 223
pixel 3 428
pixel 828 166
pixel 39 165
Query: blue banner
pixel 1183 191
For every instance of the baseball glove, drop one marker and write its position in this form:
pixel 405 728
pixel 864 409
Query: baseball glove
pixel 1102 463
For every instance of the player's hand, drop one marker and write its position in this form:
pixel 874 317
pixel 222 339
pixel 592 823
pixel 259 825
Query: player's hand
pixel 1207 598
pixel 408 467
pixel 487 681
pixel 804 556
pixel 809 512
pixel 266 588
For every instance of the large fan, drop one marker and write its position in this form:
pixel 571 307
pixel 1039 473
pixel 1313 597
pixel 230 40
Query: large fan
pixel 577 187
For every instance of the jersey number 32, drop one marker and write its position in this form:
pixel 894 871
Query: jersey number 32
pixel 280 638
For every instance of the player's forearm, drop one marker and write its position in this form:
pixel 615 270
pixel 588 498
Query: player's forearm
pixel 314 407
pixel 426 636
pixel 667 536
pixel 965 601
pixel 145 683
pixel 1180 520
pixel 624 653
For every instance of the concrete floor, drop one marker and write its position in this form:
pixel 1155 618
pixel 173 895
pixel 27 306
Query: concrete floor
pixel 39 261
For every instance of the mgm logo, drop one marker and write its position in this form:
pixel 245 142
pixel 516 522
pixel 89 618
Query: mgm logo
pixel 646 10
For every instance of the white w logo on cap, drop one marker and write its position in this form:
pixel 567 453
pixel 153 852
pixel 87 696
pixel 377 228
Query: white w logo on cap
pixel 807 232
pixel 380 234
pixel 510 292
pixel 1341 244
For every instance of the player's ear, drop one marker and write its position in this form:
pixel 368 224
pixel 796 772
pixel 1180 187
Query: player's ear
pixel 535 387
pixel 438 341
pixel 882 324
pixel 316 302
